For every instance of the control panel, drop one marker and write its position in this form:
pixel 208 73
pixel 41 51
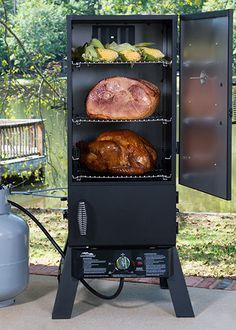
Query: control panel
pixel 95 263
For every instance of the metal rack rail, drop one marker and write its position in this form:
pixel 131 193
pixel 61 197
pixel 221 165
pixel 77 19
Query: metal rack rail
pixel 165 63
pixel 79 119
pixel 88 175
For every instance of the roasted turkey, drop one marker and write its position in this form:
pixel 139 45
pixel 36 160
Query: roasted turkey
pixel 118 152
pixel 122 98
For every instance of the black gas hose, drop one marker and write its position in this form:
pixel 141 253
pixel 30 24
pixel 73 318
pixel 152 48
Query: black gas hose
pixel 63 253
pixel 38 223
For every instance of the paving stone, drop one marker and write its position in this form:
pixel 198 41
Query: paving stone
pixel 214 284
pixel 33 268
pixel 223 284
pixel 193 280
pixel 232 286
pixel 148 280
pixel 53 269
pixel 206 282
pixel 47 270
pixel 41 271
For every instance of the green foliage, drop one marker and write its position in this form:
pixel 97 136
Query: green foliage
pixel 178 7
pixel 3 12
pixel 41 28
pixel 3 51
pixel 218 4
pixel 82 7
pixel 129 7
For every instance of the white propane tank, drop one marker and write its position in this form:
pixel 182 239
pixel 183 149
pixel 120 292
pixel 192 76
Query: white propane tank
pixel 14 251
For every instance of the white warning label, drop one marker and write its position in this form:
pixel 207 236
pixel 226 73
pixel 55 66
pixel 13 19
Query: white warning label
pixel 93 265
pixel 155 264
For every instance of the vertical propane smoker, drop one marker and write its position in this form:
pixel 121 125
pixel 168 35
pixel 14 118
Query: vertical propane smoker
pixel 125 225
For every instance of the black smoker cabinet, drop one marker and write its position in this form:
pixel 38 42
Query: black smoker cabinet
pixel 125 226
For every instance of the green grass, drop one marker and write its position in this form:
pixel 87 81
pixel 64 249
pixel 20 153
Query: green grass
pixel 206 243
pixel 41 250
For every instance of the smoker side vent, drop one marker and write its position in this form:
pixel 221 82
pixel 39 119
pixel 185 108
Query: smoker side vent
pixel 234 103
pixel 82 219
pixel 117 33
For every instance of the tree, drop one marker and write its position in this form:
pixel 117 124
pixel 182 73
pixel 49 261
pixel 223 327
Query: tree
pixel 6 7
pixel 148 7
pixel 3 52
pixel 218 5
pixel 41 28
pixel 81 7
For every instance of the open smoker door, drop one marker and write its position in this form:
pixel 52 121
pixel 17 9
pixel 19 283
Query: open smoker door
pixel 205 102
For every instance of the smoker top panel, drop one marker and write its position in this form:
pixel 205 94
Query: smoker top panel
pixel 120 18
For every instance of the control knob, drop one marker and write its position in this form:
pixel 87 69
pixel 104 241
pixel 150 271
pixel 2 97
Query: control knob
pixel 122 263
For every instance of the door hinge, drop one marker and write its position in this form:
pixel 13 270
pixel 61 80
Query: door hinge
pixel 177 46
pixel 177 227
pixel 65 214
pixel 177 197
pixel 177 147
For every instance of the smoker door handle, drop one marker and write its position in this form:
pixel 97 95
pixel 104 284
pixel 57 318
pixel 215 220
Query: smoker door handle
pixel 82 218
pixel 202 78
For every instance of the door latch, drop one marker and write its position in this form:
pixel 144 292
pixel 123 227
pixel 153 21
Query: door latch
pixel 177 147
pixel 203 78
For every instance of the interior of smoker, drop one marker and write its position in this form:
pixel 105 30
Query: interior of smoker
pixel 158 128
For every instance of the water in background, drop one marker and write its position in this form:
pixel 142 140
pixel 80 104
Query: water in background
pixel 56 170
pixel 55 121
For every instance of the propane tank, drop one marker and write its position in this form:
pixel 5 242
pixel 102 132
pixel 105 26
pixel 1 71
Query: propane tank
pixel 14 251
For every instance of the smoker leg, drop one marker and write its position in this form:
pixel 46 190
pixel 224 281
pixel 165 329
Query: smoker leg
pixel 178 289
pixel 163 283
pixel 66 291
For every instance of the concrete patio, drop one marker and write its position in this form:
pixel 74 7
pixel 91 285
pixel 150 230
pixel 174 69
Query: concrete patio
pixel 140 306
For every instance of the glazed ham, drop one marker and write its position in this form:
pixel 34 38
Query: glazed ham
pixel 122 98
pixel 118 152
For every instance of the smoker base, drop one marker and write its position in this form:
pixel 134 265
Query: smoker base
pixel 175 283
pixel 117 262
